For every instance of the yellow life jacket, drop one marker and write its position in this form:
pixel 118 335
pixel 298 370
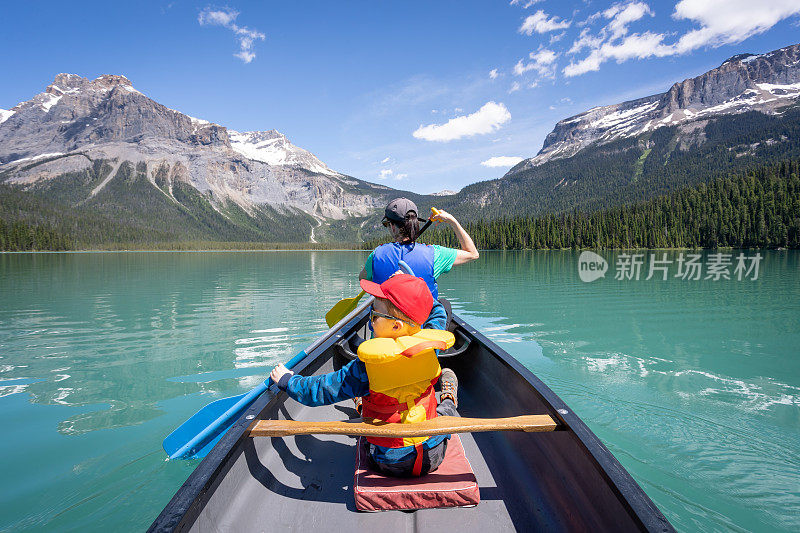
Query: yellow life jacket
pixel 401 375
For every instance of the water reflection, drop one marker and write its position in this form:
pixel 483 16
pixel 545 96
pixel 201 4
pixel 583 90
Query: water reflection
pixel 113 329
pixel 693 385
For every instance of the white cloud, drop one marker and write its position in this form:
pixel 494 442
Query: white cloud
pixel 401 177
pixel 385 173
pixel 527 4
pixel 227 19
pixel 638 46
pixel 514 87
pixel 622 15
pixel 220 18
pixel 487 119
pixel 385 160
pixel 501 161
pixel 729 21
pixel 590 19
pixel 557 37
pixel 613 41
pixel 543 63
pixel 721 22
pixel 493 73
pixel 585 41
pixel 539 22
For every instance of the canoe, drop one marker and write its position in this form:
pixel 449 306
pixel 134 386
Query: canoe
pixel 564 480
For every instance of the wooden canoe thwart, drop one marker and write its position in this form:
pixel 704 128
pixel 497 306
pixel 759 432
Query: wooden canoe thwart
pixel 441 425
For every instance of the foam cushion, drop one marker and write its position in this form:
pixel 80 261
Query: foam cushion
pixel 453 484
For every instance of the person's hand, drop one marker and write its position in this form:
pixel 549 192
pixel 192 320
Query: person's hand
pixel 444 216
pixel 278 372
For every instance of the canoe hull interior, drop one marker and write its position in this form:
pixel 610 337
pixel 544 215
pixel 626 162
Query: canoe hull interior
pixel 564 480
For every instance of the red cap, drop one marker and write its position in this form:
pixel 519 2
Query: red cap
pixel 408 293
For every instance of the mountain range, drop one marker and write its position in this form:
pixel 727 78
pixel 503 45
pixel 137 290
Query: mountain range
pixel 102 148
pixel 739 115
pixel 99 159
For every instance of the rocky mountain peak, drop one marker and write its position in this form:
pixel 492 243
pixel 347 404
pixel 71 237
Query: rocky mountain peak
pixel 112 80
pixel 255 137
pixel 65 83
pixel 272 147
pixel 745 82
pixel 77 121
pixel 737 57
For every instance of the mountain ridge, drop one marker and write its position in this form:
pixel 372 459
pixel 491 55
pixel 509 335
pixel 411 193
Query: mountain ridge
pixel 744 82
pixel 586 164
pixel 77 120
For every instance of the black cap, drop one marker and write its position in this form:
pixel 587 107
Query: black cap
pixel 398 208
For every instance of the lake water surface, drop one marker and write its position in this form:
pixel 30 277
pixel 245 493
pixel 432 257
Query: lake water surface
pixel 693 385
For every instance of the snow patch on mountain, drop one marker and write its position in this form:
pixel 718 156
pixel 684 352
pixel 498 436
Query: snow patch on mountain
pixel 5 114
pixel 272 148
pixel 623 119
pixel 49 100
pixel 40 156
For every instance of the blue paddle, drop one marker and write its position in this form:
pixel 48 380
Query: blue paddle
pixel 198 435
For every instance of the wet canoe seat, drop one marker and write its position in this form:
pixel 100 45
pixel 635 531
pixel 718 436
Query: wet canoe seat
pixel 453 484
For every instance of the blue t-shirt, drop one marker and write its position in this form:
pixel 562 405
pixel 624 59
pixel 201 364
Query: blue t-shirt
pixel 443 260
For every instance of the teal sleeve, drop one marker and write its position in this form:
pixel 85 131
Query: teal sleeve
pixel 443 259
pixel 368 265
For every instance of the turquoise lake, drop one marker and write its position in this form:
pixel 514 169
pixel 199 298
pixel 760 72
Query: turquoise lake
pixel 694 385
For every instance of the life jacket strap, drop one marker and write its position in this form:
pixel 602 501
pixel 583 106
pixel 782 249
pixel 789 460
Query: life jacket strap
pixel 422 346
pixel 417 470
pixel 369 407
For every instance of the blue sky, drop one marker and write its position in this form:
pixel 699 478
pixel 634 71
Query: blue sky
pixel 416 95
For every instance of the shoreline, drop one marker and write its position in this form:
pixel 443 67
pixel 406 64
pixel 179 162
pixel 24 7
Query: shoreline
pixel 364 250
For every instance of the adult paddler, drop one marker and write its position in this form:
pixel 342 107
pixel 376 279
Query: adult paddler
pixel 427 261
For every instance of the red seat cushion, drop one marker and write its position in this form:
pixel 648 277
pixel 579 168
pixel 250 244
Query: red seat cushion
pixel 453 484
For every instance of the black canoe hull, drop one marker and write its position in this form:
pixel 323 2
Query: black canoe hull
pixel 566 480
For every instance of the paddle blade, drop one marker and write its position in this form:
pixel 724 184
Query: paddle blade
pixel 342 309
pixel 201 420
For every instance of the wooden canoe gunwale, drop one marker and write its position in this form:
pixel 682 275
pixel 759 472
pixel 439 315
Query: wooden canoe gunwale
pixel 189 501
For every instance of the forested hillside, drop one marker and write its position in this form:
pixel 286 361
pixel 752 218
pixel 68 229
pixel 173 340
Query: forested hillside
pixel 634 169
pixel 760 208
pixel 129 209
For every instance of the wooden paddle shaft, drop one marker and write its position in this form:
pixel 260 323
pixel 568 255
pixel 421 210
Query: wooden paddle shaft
pixel 441 425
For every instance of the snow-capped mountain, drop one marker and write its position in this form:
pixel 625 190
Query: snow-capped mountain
pixel 76 122
pixel 273 148
pixel 745 82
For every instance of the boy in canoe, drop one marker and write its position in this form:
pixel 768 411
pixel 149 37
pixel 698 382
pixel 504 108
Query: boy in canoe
pixel 394 374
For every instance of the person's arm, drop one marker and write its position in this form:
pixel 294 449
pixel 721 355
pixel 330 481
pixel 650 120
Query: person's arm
pixel 348 382
pixel 468 251
pixel 438 317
